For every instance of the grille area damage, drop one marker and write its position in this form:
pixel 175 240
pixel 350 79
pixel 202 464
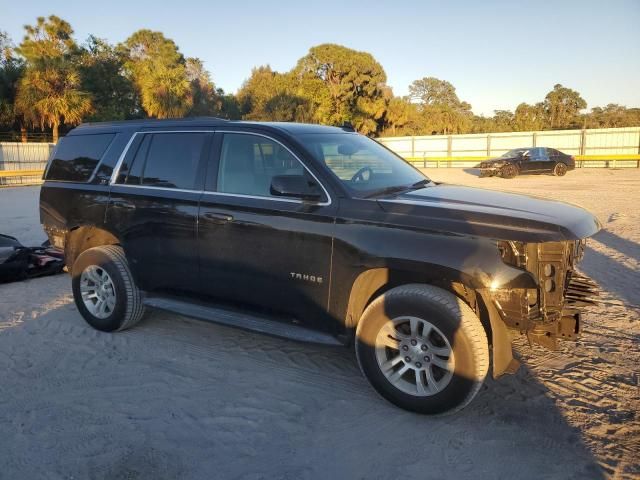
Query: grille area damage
pixel 553 310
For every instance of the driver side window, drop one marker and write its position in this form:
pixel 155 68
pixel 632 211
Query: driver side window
pixel 248 164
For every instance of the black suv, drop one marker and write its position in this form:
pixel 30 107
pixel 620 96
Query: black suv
pixel 534 160
pixel 318 234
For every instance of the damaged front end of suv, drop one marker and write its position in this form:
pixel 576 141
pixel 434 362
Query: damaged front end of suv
pixel 523 254
pixel 552 311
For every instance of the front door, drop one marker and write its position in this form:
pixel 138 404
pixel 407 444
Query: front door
pixel 153 207
pixel 258 248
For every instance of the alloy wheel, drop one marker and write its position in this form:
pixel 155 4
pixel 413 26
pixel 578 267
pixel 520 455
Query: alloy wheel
pixel 414 356
pixel 98 291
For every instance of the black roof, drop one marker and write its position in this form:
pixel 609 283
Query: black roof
pixel 288 127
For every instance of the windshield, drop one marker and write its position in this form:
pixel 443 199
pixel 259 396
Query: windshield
pixel 364 166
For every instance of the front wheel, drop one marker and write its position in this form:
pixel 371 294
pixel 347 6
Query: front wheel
pixel 560 170
pixel 509 171
pixel 423 349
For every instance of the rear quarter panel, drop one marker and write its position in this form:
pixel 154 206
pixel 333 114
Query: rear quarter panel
pixel 67 206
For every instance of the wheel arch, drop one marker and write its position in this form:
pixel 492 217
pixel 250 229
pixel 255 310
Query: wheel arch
pixel 84 237
pixel 374 282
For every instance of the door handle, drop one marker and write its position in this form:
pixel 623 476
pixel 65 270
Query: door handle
pixel 218 217
pixel 123 204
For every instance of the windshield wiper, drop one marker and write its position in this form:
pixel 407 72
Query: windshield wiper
pixel 398 188
pixel 420 183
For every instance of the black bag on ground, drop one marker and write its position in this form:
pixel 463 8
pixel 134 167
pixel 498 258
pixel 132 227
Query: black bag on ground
pixel 18 262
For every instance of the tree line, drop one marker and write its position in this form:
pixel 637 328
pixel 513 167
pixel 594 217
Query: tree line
pixel 50 82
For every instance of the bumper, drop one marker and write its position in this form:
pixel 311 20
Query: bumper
pixel 552 311
pixel 489 172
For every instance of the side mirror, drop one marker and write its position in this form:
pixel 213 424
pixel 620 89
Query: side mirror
pixel 295 186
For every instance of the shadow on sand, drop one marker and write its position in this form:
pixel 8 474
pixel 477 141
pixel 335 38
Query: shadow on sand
pixel 180 398
pixel 472 171
pixel 611 274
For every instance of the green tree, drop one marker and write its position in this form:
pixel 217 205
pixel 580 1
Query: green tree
pixel 50 97
pixel 269 95
pixel 433 91
pixel 49 92
pixel 612 116
pixel 206 100
pixel 481 124
pixel 343 85
pixel 230 107
pixel 503 121
pixel 402 118
pixel 441 108
pixel 159 73
pixel 562 106
pixel 530 117
pixel 102 75
pixel 48 40
pixel 11 69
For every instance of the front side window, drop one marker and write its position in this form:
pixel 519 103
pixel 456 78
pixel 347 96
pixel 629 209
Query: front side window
pixel 168 160
pixel 362 165
pixel 248 164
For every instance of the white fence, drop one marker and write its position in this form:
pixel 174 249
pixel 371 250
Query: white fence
pixel 602 147
pixel 28 157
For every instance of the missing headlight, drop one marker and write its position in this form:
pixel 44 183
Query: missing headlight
pixel 513 253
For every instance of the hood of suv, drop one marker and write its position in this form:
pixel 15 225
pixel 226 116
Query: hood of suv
pixel 487 213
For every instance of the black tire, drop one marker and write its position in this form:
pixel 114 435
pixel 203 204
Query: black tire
pixel 509 171
pixel 451 316
pixel 129 308
pixel 560 170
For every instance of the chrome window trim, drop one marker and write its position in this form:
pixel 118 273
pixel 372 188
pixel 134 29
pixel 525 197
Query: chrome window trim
pixel 118 166
pixel 50 160
pixel 151 187
pixel 257 197
pixel 116 169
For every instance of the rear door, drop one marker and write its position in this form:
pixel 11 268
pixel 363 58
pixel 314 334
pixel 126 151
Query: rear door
pixel 153 206
pixel 557 156
pixel 257 248
pixel 538 160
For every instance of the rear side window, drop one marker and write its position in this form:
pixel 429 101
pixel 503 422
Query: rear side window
pixel 168 160
pixel 75 158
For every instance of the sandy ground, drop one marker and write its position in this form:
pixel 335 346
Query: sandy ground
pixel 177 398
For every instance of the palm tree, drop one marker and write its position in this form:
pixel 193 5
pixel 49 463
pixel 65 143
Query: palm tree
pixel 158 70
pixel 48 96
pixel 166 93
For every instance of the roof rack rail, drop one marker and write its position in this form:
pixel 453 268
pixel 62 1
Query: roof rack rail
pixel 348 126
pixel 156 120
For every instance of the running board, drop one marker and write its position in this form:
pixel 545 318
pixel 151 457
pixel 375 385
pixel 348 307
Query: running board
pixel 244 320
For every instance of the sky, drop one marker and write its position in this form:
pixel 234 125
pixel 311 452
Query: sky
pixel 496 53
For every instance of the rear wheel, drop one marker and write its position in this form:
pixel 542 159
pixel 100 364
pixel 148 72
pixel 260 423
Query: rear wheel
pixel 560 170
pixel 423 349
pixel 104 290
pixel 509 171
